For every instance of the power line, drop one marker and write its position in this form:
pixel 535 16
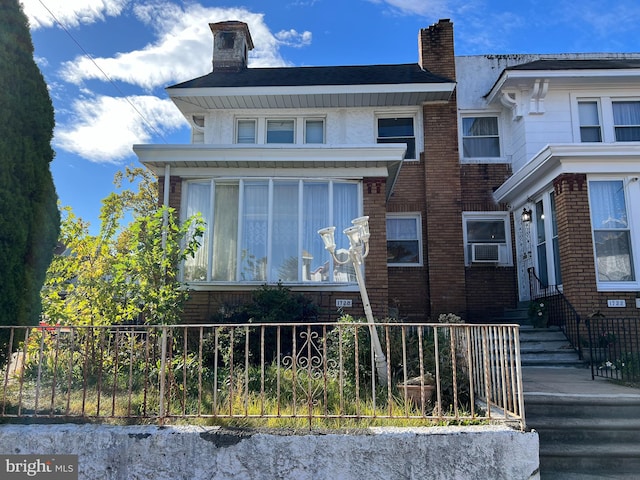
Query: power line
pixel 115 85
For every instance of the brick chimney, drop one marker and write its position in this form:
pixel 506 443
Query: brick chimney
pixel 435 47
pixel 231 44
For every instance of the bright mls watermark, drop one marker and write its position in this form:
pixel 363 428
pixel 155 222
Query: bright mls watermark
pixel 51 467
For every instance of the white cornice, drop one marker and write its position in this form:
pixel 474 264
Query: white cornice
pixel 331 161
pixel 553 160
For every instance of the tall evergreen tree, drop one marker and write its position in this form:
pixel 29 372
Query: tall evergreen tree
pixel 29 217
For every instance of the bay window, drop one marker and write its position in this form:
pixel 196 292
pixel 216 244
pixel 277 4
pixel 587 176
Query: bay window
pixel 265 230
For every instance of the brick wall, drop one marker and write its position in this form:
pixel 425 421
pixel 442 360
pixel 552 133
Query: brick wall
pixel 175 192
pixel 376 276
pixel 483 281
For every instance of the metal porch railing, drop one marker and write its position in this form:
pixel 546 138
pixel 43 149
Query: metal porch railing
pixel 316 372
pixel 561 313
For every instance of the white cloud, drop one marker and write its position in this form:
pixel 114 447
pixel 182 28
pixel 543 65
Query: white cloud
pixel 424 8
pixel 293 38
pixel 105 128
pixel 71 13
pixel 182 49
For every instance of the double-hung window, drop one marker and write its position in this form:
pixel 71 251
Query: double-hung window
pixel 314 130
pixel 590 128
pixel 613 241
pixel 487 238
pixel 246 131
pixel 398 130
pixel 280 131
pixel 266 229
pixel 404 240
pixel 480 137
pixel 626 120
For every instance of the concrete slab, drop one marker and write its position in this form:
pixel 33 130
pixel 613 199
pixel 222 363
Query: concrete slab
pixel 570 381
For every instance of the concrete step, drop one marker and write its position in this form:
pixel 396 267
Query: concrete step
pixel 595 431
pixel 610 459
pixel 566 408
pixel 568 360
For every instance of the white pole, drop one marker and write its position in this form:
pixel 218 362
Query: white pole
pixel 380 359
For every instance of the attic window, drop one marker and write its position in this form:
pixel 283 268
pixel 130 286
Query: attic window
pixel 198 120
pixel 227 40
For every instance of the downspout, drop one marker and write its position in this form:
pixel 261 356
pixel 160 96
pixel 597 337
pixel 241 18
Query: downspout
pixel 165 203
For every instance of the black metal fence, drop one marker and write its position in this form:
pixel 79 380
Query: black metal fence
pixel 614 348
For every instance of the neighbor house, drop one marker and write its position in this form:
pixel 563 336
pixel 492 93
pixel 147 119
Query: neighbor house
pixel 569 127
pixel 477 174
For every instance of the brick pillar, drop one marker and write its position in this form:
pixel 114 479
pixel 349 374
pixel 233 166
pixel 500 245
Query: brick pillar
pixel 443 197
pixel 574 239
pixel 376 275
pixel 175 192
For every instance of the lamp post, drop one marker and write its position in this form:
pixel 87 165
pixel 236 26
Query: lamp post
pixel 358 236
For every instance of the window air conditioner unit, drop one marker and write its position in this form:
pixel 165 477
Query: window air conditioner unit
pixel 485 253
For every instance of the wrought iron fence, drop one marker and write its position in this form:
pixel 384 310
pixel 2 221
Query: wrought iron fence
pixel 314 372
pixel 561 313
pixel 614 348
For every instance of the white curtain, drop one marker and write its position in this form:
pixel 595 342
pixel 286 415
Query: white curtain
pixel 225 232
pixel 315 216
pixel 480 137
pixel 611 231
pixel 199 201
pixel 285 253
pixel 254 231
pixel 345 209
pixel 626 117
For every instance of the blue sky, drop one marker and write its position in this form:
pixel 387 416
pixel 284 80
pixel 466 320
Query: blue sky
pixel 107 62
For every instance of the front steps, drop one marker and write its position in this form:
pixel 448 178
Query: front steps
pixel 546 347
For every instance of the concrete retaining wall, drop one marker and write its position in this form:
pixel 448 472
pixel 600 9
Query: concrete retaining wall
pixel 193 453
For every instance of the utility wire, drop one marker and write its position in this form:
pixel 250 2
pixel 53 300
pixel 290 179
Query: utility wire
pixel 115 85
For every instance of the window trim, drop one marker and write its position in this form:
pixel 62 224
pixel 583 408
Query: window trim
pixel 480 114
pixel 488 216
pixel 631 186
pixel 418 218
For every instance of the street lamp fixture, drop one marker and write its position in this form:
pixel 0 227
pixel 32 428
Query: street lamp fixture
pixel 358 236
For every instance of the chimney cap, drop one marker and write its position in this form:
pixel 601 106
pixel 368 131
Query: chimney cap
pixel 233 25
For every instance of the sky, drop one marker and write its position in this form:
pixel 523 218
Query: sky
pixel 107 62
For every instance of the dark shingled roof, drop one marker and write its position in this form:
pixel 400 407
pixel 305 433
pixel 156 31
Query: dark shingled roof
pixel 593 64
pixel 308 76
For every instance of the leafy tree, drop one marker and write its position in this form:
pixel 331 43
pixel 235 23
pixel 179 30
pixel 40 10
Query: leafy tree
pixel 29 218
pixel 124 273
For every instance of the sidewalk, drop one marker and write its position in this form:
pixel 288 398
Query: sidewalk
pixel 571 381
